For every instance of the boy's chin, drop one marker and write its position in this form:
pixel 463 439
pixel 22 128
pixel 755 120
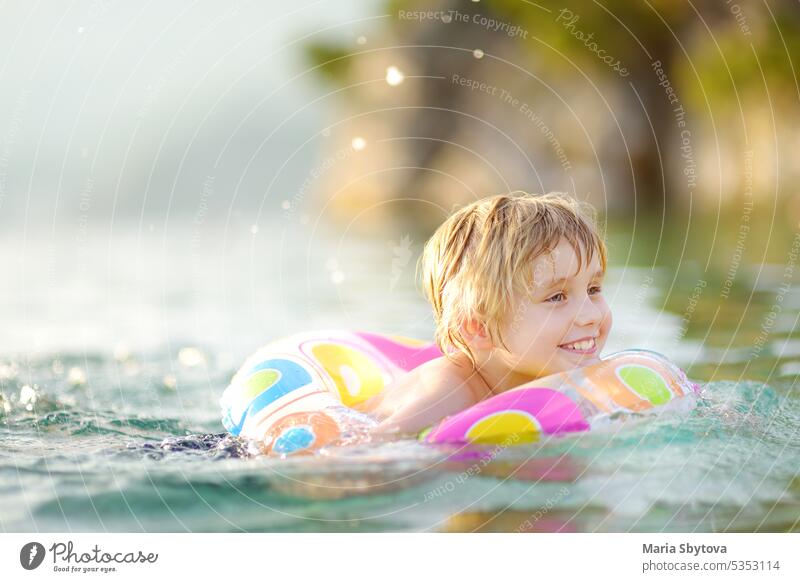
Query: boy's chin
pixel 572 361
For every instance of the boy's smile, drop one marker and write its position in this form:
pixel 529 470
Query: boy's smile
pixel 582 346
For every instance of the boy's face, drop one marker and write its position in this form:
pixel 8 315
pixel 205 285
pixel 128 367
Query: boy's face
pixel 566 322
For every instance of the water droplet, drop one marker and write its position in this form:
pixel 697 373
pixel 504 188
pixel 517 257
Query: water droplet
pixel 76 376
pixel 28 397
pixel 5 405
pixel 191 357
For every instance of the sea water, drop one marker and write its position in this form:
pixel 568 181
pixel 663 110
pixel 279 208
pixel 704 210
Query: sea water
pixel 109 419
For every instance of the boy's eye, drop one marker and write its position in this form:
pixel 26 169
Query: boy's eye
pixel 556 298
pixel 595 289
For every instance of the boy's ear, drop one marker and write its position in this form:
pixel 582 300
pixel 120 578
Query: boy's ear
pixel 476 334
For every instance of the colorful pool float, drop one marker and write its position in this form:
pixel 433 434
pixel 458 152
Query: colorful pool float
pixel 296 394
pixel 632 381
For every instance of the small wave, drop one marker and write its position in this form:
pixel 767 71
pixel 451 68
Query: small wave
pixel 213 445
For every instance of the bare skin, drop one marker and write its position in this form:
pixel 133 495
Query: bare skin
pixel 562 325
pixel 427 394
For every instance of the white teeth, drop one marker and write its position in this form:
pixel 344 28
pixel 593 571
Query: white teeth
pixel 581 346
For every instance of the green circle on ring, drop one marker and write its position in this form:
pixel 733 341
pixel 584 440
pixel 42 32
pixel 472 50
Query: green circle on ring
pixel 260 381
pixel 645 382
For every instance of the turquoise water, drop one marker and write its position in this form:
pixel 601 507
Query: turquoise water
pixel 100 390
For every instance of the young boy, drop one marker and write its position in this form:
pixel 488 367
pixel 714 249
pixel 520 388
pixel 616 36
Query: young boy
pixel 515 282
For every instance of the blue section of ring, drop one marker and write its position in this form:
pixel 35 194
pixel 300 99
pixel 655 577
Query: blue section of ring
pixel 229 425
pixel 293 376
pixel 295 439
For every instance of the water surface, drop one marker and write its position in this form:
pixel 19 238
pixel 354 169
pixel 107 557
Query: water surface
pixel 110 383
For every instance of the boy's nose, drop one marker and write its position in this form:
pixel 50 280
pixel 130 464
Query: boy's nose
pixel 588 313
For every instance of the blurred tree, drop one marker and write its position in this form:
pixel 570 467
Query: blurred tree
pixel 634 51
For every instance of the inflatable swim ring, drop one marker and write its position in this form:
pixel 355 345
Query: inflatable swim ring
pixel 296 394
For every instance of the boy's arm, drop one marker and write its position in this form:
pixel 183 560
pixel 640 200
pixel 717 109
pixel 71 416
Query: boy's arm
pixel 424 400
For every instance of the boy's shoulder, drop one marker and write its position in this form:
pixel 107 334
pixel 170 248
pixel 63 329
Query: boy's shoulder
pixel 453 373
pixel 423 396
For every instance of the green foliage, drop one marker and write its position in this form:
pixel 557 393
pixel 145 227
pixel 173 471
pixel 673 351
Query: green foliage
pixel 701 42
pixel 333 61
pixel 759 67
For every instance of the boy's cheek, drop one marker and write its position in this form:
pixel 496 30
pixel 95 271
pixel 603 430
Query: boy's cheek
pixel 608 322
pixel 608 318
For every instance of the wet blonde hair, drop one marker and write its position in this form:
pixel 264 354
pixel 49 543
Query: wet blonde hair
pixel 482 255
